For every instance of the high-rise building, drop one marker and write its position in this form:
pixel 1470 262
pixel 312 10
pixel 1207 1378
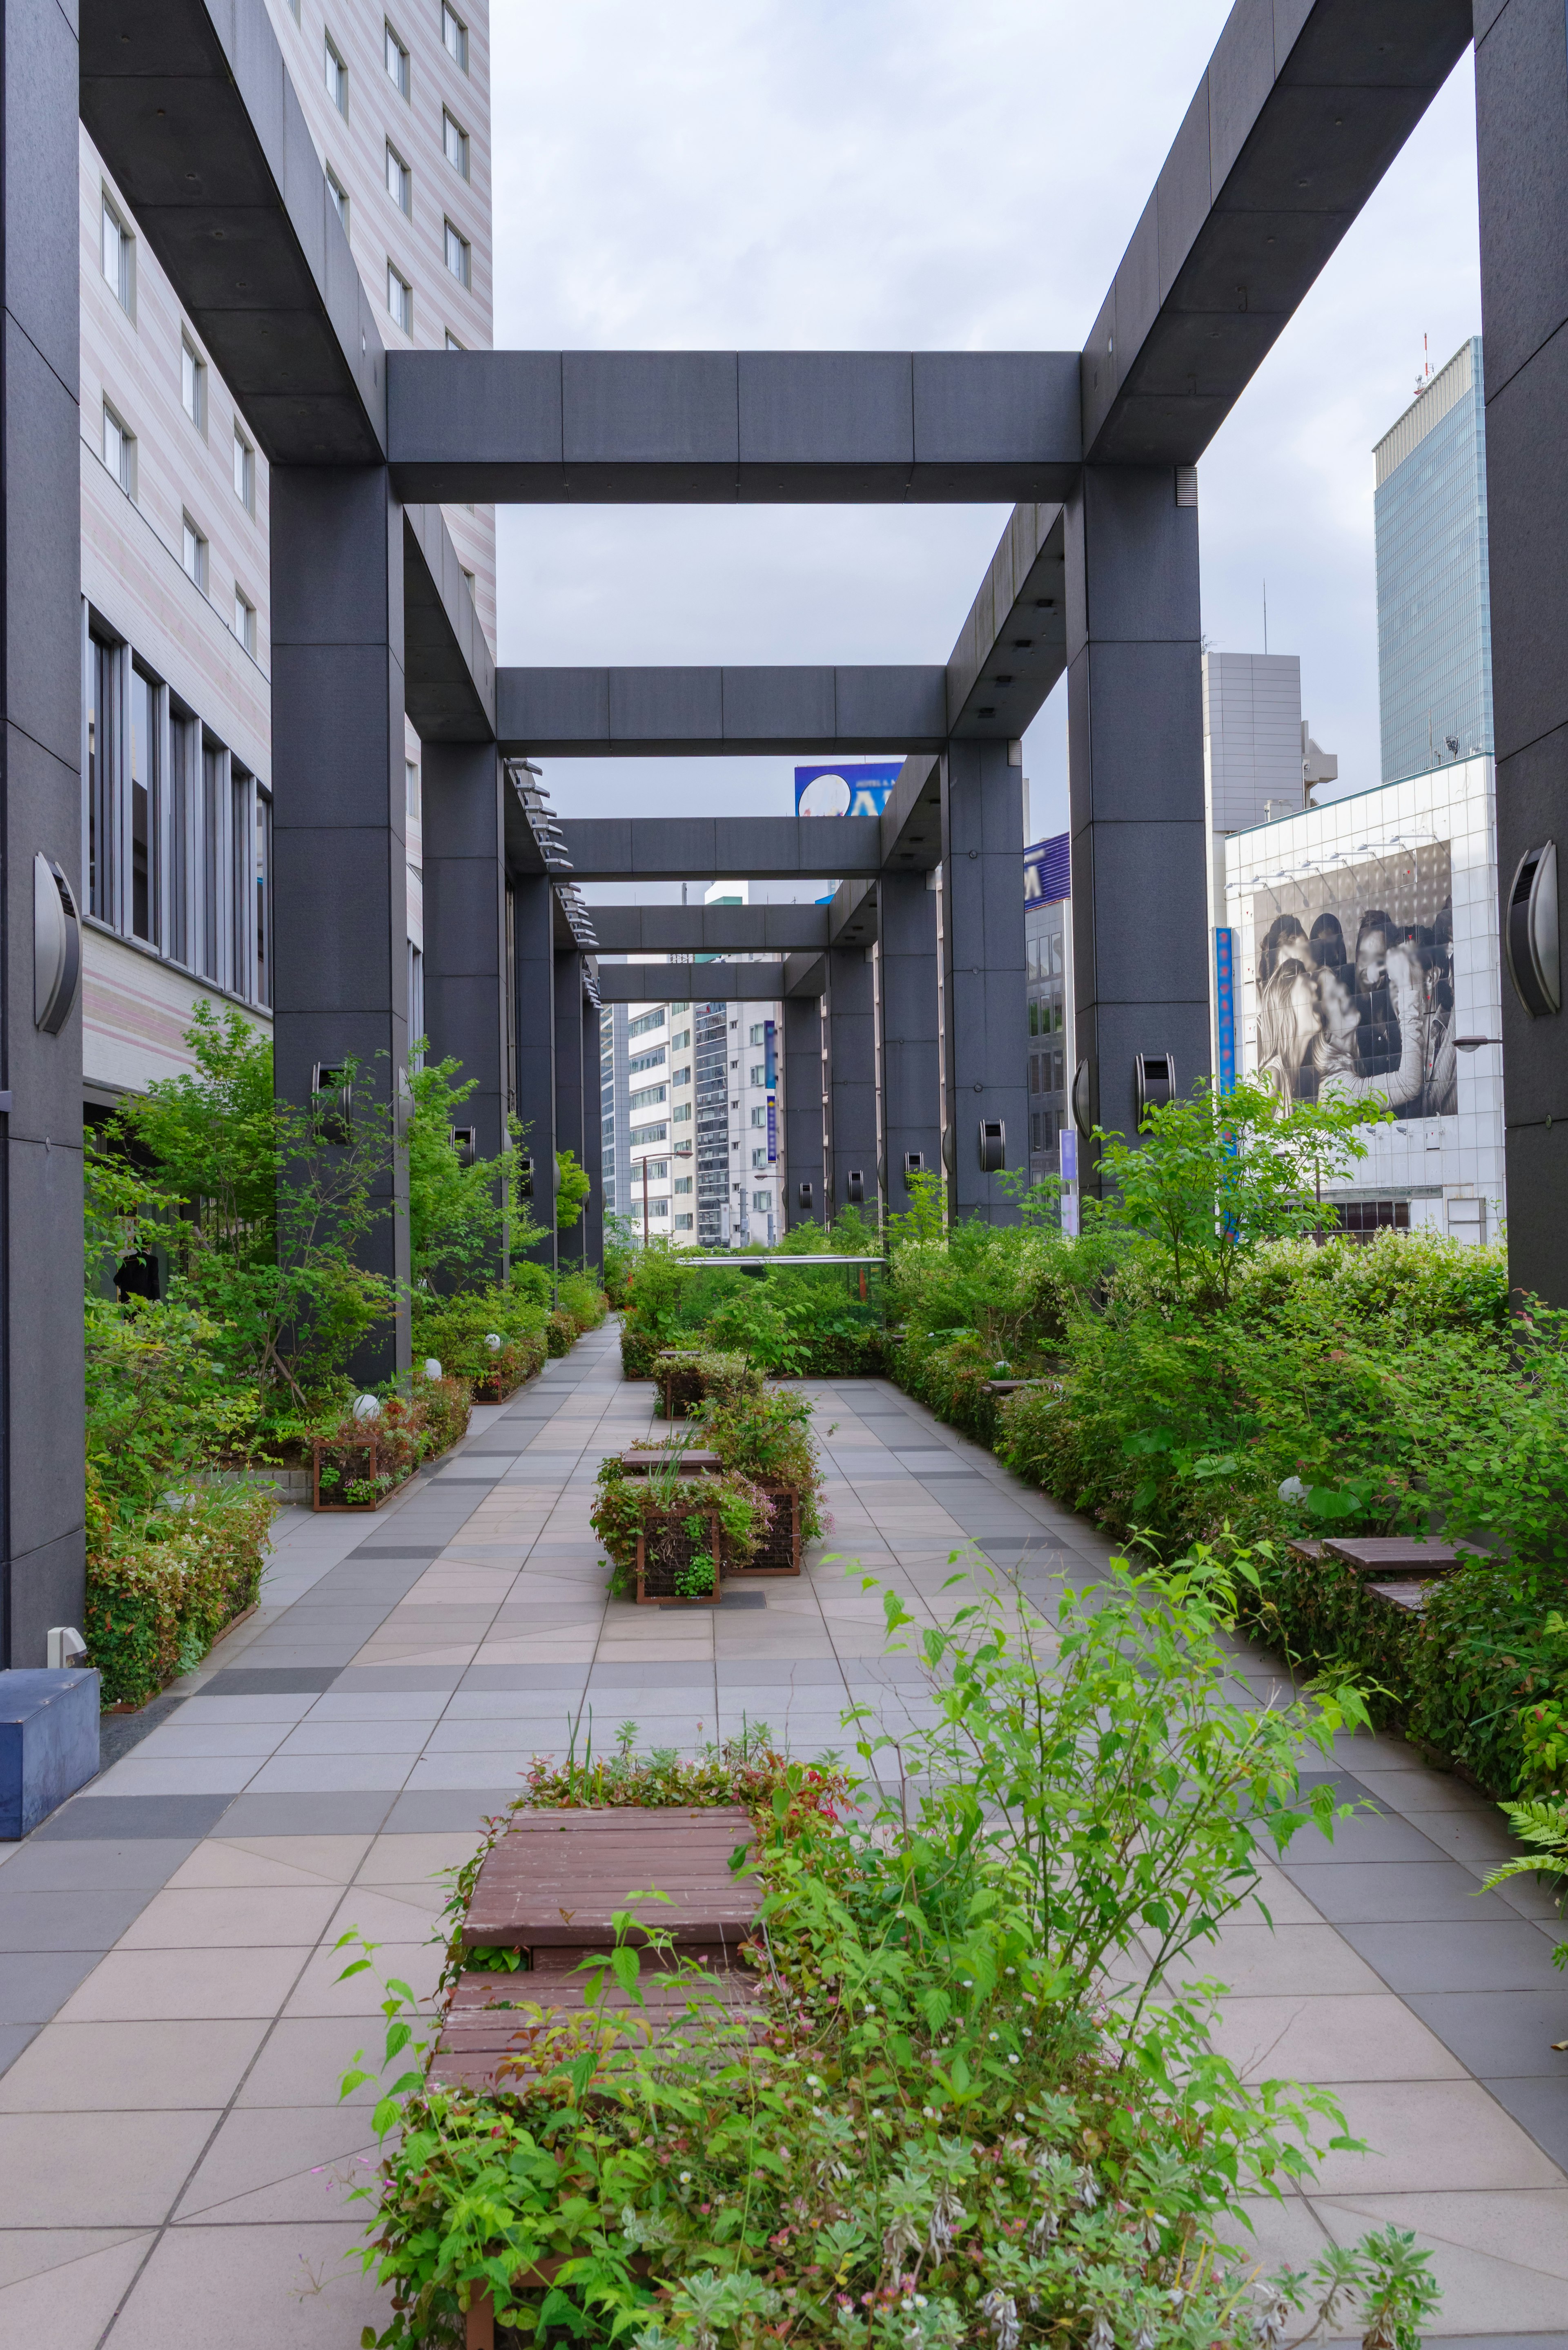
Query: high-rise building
pixel 1048 950
pixel 1434 608
pixel 175 555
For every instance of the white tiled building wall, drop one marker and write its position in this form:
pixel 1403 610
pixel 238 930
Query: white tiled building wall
pixel 1441 1165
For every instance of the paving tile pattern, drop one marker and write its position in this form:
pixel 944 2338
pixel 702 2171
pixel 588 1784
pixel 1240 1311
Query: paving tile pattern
pixel 175 2168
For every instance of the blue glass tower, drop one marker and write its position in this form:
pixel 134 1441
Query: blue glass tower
pixel 1434 608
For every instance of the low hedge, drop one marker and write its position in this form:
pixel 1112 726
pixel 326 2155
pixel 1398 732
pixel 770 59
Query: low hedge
pixel 157 1599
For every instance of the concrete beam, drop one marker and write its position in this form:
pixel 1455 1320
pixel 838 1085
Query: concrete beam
pixel 718 983
pixel 912 821
pixel 191 106
pixel 804 975
pixel 723 848
pixel 767 428
pixel 1012 648
pixel 622 713
pixel 852 916
pixel 1303 106
pixel 709 929
pixel 449 677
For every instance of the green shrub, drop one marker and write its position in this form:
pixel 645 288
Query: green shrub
pixel 768 1436
pixel 630 1503
pixel 157 1600
pixel 560 1335
pixel 456 1329
pixel 580 1296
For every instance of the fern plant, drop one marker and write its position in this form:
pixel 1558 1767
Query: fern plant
pixel 1543 1825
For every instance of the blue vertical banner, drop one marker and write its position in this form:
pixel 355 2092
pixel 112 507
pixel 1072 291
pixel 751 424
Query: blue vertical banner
pixel 1225 1006
pixel 771 1079
pixel 772 1129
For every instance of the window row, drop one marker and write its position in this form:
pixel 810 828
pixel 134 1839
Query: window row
pixel 394 56
pixel 177 835
pixel 401 292
pixel 120 457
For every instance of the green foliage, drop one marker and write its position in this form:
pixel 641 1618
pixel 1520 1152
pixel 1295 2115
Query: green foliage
pixel 938 2134
pixel 1543 1827
pixel 1215 1177
pixel 158 1598
pixel 786 1322
pixel 460 1218
pixel 651 1502
pixel 158 1406
pixel 359 1463
pixel 579 1295
pixel 456 1330
pixel 768 1437
pixel 572 1185
pixel 619 1259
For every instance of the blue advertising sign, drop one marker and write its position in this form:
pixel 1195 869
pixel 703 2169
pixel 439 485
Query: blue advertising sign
pixel 770 1054
pixel 772 1129
pixel 1048 871
pixel 1225 1006
pixel 858 790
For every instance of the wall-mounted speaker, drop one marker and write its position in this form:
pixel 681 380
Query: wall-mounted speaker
pixel 1083 1100
pixel 1530 932
pixel 334 1093
pixel 804 1197
pixel 992 1146
pixel 466 1142
pixel 1154 1082
pixel 855 1187
pixel 914 1164
pixel 56 947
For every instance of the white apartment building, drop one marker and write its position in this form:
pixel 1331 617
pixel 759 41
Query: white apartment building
pixel 177 769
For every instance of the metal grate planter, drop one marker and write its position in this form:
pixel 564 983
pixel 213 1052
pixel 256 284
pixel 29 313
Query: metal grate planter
pixel 665 1547
pixel 360 1478
pixel 779 1550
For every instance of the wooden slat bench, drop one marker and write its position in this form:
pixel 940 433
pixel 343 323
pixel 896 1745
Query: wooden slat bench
pixel 1391 1556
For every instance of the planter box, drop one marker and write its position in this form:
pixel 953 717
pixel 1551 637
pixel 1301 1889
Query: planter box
pixel 665 1547
pixel 780 1551
pixel 360 1463
pixel 680 1386
pixel 48 1743
pixel 640 1461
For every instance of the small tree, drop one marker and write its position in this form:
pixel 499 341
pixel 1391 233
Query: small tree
pixel 1216 1176
pixel 573 1184
pixel 460 1218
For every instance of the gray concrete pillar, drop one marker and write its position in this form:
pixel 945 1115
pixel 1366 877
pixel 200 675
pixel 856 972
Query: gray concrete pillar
pixel 911 1043
pixel 465 932
pixel 570 1081
pixel 851 1074
pixel 1522 127
pixel 339 797
pixel 1135 744
pixel 805 1111
pixel 42 1546
pixel 534 1032
pixel 982 946
pixel 593 1155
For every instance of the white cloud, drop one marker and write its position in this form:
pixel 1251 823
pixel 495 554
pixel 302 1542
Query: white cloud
pixel 903 174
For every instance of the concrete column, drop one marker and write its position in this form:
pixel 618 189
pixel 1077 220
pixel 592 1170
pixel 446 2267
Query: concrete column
pixel 852 1072
pixel 465 926
pixel 534 1027
pixel 569 1080
pixel 340 854
pixel 911 1045
pixel 1522 127
pixel 593 1154
pixel 1135 744
pixel 982 944
pixel 806 1109
pixel 42 1547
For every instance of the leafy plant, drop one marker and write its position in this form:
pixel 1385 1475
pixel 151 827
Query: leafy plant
pixel 1543 1825
pixel 460 1218
pixel 572 1185
pixel 695 1580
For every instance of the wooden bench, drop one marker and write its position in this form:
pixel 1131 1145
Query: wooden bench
pixel 549 1888
pixel 692 1462
pixel 1388 1557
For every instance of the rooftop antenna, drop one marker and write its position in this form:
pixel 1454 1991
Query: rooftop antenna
pixel 1424 377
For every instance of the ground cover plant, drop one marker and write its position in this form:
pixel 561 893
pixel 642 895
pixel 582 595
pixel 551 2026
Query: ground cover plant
pixel 976 2104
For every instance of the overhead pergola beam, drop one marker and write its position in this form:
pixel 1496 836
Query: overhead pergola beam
pixel 710 930
pixel 1302 108
pixel 449 676
pixel 191 108
pixel 718 983
pixel 1012 648
pixel 911 821
pixel 624 713
pixel 723 848
pixel 771 428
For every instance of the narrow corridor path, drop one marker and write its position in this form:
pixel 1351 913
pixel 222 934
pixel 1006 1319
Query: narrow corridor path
pixel 174 2167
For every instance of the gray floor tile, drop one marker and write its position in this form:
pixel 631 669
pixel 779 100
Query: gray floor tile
pixel 1485 1956
pixel 101 1818
pixel 81 1920
pixel 393 1677
pixel 426 1551
pixel 1500 2034
pixel 352 1812
pixel 428 1810
pixel 1395 1892
pixel 35 1983
pixel 90 1865
pixel 269 1680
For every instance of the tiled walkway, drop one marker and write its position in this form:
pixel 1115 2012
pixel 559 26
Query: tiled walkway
pixel 173 2163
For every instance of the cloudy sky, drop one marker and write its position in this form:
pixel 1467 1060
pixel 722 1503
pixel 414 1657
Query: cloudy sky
pixel 900 174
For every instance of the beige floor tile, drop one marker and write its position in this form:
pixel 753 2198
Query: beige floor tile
pixel 232 1917
pixel 67 2305
pixel 176 1984
pixel 1426 2136
pixel 303 2060
pixel 1502 2259
pixel 256 2288
pixel 321 1993
pixel 96 2169
pixel 1363 2036
pixel 296 1862
pixel 1285 1960
pixel 125 2067
pixel 380 1913
pixel 405 1859
pixel 282 2163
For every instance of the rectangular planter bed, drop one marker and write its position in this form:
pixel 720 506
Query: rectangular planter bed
pixel 780 1551
pixel 361 1462
pixel 680 1386
pixel 668 1547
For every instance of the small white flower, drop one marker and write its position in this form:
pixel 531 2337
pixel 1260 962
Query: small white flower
pixel 930 2112
pixel 1013 2060
pixel 686 2178
pixel 1010 1971
pixel 993 2035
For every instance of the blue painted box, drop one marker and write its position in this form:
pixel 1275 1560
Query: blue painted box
pixel 49 1744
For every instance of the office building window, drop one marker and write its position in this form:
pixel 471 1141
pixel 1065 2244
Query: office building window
pixel 640 1026
pixel 758 1034
pixel 244 619
pixel 185 745
pixel 683 1183
pixel 453 345
pixel 682 1224
pixel 416 1004
pixel 680 1044
pixel 399 300
pixel 212 861
pixel 339 196
pixel 759 1159
pixel 763 1199
pixel 648 1098
pixel 337 76
pixel 118 253
pixel 682 1113
pixel 193 552
pixel 119 451
pixel 101 695
pixel 241 841
pixel 244 471
pixel 411 785
pixel 759 1115
pixel 194 385
pixel 458 255
pixel 760 1073
pixel 396 58
pixel 263 897
pixel 454 141
pixel 146 807
pixel 399 181
pixel 653 1059
pixel 454 33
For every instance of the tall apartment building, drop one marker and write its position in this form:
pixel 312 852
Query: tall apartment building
pixel 176 642
pixel 1048 950
pixel 1434 602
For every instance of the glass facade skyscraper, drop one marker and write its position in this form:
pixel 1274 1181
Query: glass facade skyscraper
pixel 1434 608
